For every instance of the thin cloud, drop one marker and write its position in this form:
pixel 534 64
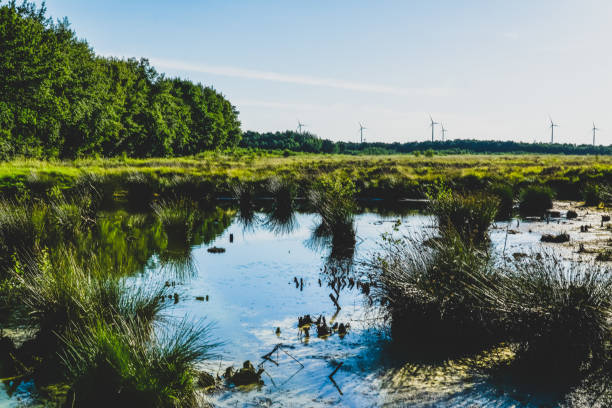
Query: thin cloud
pixel 296 79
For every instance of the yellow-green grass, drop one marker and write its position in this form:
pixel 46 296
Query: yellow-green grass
pixel 371 173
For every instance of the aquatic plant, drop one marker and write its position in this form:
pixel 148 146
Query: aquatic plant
pixel 470 216
pixel 59 295
pixel 426 289
pixel 334 200
pixel 121 363
pixel 18 233
pixel 535 200
pixel 558 312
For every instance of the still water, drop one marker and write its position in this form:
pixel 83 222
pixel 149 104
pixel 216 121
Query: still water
pixel 268 277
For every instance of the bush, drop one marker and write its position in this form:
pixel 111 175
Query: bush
pixel 334 200
pixel 535 200
pixel 469 215
pixel 122 364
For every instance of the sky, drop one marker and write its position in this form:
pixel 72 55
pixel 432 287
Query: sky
pixel 487 69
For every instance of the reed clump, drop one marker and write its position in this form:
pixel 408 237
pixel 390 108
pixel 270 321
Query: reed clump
pixel 470 216
pixel 58 295
pixel 426 291
pixel 557 313
pixel 122 363
pixel 535 200
pixel 334 200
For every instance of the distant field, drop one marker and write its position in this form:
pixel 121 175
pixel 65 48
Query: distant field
pixel 384 176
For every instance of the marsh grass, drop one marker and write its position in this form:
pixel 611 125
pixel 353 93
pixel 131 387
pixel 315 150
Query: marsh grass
pixel 427 296
pixel 535 200
pixel 558 313
pixel 19 232
pixel 121 363
pixel 470 216
pixel 68 293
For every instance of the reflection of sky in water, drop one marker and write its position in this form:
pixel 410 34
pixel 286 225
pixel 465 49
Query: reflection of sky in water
pixel 252 292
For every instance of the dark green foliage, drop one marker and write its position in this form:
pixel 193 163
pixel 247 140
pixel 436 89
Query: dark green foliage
pixel 58 99
pixel 535 200
pixel 122 364
pixel 293 141
pixel 594 194
pixel 470 216
pixel 556 239
pixel 505 195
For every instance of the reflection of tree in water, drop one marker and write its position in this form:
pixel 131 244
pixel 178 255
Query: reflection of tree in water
pixel 204 228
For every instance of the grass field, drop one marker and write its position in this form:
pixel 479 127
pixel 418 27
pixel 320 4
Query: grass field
pixel 375 176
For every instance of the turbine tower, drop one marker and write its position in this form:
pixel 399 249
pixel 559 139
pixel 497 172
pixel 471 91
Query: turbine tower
pixel 300 126
pixel 444 130
pixel 432 127
pixel 361 129
pixel 594 130
pixel 553 125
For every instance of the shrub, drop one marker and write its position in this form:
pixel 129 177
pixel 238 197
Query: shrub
pixel 469 215
pixel 121 363
pixel 535 200
pixel 334 200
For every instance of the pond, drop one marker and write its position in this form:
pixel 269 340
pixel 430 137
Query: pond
pixel 253 293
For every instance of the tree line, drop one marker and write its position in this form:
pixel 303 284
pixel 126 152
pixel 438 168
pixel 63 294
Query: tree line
pixel 59 99
pixel 293 141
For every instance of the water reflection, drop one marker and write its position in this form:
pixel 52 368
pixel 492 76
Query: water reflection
pixel 267 278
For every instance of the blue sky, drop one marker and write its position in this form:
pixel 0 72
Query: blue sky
pixel 485 69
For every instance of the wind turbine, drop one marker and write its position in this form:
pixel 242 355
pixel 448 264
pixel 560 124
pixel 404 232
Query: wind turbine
pixel 553 125
pixel 444 130
pixel 594 130
pixel 361 129
pixel 300 126
pixel 432 127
